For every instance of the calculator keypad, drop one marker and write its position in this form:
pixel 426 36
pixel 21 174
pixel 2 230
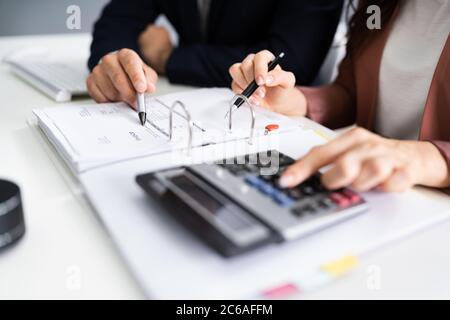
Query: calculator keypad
pixel 307 199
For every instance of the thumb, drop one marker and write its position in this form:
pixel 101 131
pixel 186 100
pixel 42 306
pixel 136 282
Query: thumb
pixel 400 181
pixel 280 78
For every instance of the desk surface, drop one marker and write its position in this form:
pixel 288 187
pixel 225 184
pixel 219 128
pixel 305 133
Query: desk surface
pixel 66 253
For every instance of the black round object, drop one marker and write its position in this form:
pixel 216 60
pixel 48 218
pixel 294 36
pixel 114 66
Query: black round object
pixel 12 225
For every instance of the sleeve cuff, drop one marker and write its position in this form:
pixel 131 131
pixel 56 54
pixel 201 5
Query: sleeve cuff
pixel 444 149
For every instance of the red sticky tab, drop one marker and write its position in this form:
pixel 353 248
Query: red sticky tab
pixel 281 291
pixel 271 127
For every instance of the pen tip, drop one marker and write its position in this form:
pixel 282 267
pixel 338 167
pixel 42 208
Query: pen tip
pixel 235 107
pixel 143 117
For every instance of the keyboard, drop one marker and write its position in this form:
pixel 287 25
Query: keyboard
pixel 59 81
pixel 236 205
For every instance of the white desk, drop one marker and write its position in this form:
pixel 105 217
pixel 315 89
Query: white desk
pixel 66 253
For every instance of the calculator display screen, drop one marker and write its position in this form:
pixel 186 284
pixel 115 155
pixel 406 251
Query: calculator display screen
pixel 196 193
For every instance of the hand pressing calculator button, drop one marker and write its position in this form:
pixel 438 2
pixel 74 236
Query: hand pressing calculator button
pixel 244 207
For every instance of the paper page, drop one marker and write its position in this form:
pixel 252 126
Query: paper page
pixel 174 264
pixel 102 132
pixel 208 108
pixel 59 142
pixel 90 135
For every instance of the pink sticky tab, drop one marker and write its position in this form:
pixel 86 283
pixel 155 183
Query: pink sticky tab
pixel 281 291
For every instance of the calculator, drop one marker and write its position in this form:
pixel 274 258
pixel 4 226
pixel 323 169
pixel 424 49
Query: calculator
pixel 236 205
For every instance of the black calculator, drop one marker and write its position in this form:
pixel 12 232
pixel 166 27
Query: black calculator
pixel 236 205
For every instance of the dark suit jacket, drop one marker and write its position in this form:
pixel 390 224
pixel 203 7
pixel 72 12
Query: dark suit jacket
pixel 303 29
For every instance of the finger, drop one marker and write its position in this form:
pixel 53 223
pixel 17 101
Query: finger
pixel 238 75
pixel 399 181
pixel 281 78
pixel 373 173
pixel 149 28
pixel 95 92
pixel 261 61
pixel 102 81
pixel 255 101
pixel 120 80
pixel 347 167
pixel 236 88
pixel 152 28
pixel 152 78
pixel 261 92
pixel 248 68
pixel 321 156
pixel 134 68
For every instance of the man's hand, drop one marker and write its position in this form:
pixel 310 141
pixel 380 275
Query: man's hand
pixel 119 76
pixel 156 47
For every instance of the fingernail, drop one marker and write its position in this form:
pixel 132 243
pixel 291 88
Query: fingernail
pixel 151 87
pixel 270 80
pixel 254 101
pixel 261 93
pixel 260 81
pixel 140 86
pixel 286 181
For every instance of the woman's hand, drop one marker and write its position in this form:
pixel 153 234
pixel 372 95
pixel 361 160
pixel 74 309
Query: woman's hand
pixel 277 90
pixel 365 161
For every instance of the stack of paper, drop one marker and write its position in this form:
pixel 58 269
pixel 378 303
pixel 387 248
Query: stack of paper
pixel 90 136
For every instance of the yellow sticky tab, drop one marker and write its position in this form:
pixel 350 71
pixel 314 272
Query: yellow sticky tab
pixel 340 266
pixel 320 134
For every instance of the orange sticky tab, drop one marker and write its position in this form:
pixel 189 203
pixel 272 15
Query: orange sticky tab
pixel 271 127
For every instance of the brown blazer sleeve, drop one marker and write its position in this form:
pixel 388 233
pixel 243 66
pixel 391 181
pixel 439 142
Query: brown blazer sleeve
pixel 444 148
pixel 334 105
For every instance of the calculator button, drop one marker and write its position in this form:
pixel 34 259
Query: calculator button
pixel 266 188
pixel 339 199
pixel 307 190
pixel 303 210
pixel 325 204
pixel 315 182
pixel 282 199
pixel 295 194
pixel 308 209
pixel 253 181
pixel 351 196
pixel 298 212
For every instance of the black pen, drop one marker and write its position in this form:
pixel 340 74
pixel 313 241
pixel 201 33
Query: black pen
pixel 252 87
